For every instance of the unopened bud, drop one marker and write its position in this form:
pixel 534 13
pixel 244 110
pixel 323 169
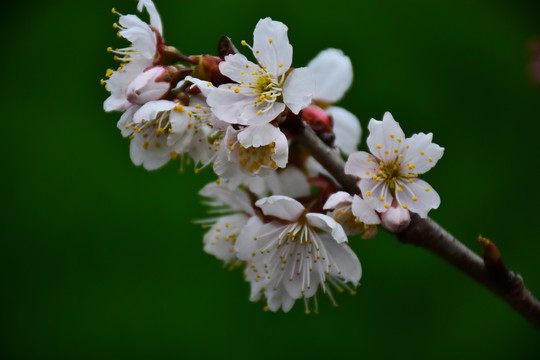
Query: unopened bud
pixel 208 70
pixel 396 218
pixel 490 251
pixel 320 122
pixel 147 87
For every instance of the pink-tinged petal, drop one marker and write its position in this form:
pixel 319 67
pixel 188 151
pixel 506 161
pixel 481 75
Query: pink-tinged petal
pixel 344 261
pixel 328 225
pixel 340 197
pixel 282 207
pixel 234 67
pixel 417 197
pixel 333 73
pixel 271 46
pixel 150 110
pixel 298 89
pixel 361 164
pixel 256 136
pixel 250 114
pixel 395 219
pixel 422 152
pixel 376 193
pixel 385 137
pixel 363 210
pixel 346 128
pixel 145 87
pixel 155 19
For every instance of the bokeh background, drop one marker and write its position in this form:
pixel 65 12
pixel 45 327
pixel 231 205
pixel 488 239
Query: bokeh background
pixel 101 260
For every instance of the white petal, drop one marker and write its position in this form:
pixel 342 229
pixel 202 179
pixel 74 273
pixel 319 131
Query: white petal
pixel 271 41
pixel 281 151
pixel 340 197
pixel 126 120
pixel 155 19
pixel 279 298
pixel 343 260
pixel 139 34
pixel 206 87
pixel 426 197
pixel 298 89
pixel 364 212
pixel 333 73
pixel 258 135
pixel 358 165
pixel 150 110
pixel 228 105
pixel 151 158
pixel 346 128
pixel 282 207
pixel 292 182
pixel 235 198
pixel 218 241
pixel 377 193
pixel 250 114
pixel 328 225
pixel 422 152
pixel 234 67
pixel 245 245
pixel 384 137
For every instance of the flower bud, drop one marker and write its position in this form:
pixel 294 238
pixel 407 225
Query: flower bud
pixel 147 86
pixel 208 69
pixel 320 122
pixel 395 219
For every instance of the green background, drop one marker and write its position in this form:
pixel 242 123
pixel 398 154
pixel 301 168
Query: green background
pixel 101 260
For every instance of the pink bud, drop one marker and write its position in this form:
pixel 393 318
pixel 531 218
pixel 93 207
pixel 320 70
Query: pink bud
pixel 317 118
pixel 147 87
pixel 396 218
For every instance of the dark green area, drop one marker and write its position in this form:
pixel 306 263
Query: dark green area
pixel 100 258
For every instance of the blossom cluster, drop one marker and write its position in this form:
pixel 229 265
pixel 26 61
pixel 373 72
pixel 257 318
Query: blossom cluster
pixel 279 214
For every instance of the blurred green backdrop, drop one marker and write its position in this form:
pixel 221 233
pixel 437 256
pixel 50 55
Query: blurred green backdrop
pixel 100 258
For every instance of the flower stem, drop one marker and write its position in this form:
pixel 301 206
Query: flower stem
pixel 428 234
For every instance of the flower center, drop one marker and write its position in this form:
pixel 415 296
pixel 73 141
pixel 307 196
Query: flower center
pixel 254 158
pixel 389 172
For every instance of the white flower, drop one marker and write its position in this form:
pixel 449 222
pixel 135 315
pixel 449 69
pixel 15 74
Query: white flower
pixel 144 39
pixel 333 76
pixel 220 239
pixel 262 90
pixel 352 214
pixel 162 130
pixel 252 151
pixel 391 170
pixel 291 256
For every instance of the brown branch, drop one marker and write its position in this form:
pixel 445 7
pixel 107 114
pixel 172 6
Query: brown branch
pixel 428 234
